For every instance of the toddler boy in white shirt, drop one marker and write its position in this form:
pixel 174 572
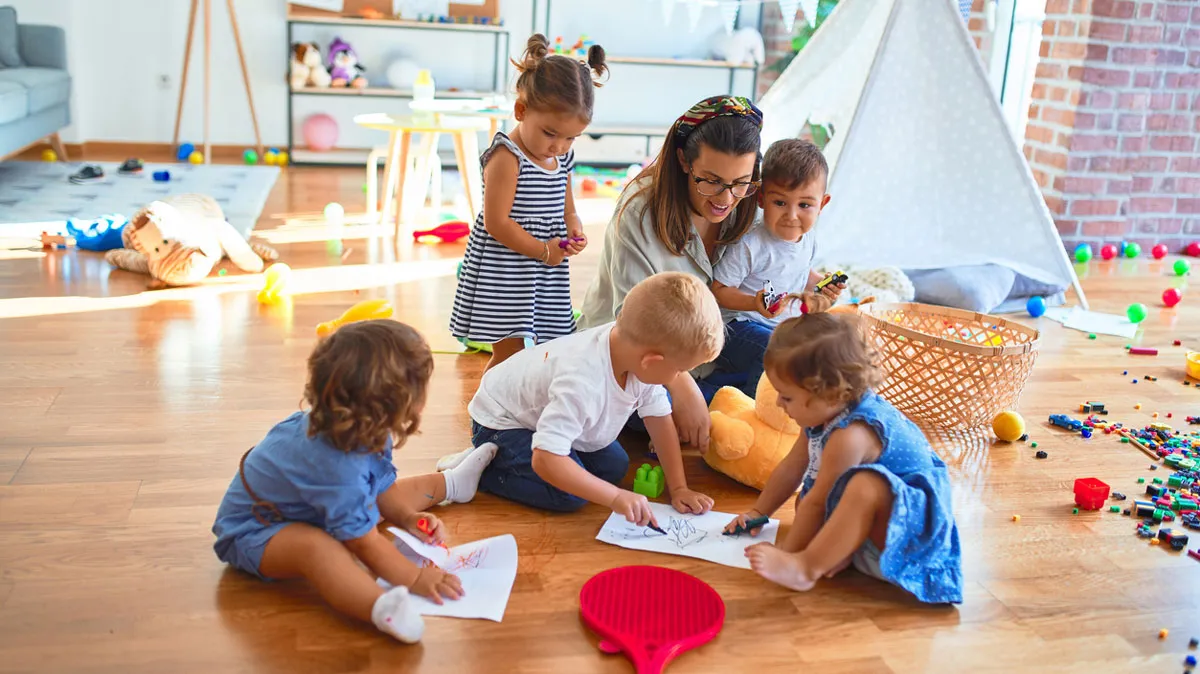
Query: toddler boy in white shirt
pixel 555 410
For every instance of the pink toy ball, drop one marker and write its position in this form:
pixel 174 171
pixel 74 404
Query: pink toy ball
pixel 1193 249
pixel 1159 251
pixel 1108 251
pixel 1171 297
pixel 320 132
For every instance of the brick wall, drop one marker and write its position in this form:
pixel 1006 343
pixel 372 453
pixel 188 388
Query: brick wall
pixel 977 26
pixel 1114 128
pixel 778 43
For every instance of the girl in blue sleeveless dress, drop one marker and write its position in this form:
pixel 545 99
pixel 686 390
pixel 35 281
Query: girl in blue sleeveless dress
pixel 515 283
pixel 872 492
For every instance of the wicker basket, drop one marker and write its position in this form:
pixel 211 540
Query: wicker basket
pixel 950 368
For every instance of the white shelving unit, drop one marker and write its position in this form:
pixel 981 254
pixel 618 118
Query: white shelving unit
pixel 299 155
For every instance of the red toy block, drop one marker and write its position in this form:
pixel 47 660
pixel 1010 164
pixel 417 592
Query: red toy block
pixel 1090 493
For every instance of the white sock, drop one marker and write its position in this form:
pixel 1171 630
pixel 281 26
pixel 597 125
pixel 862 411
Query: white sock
pixel 395 614
pixel 463 479
pixel 452 460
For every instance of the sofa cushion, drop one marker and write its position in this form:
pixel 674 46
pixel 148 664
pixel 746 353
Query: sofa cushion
pixel 9 55
pixel 14 102
pixel 47 87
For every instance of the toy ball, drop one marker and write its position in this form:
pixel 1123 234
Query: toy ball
pixel 1008 426
pixel 1171 297
pixel 185 151
pixel 334 211
pixel 320 132
pixel 402 73
pixel 1108 251
pixel 1182 267
pixel 49 155
pixel 1159 251
pixel 1036 306
pixel 162 176
pixel 588 185
pixel 250 157
pixel 196 157
pixel 1136 313
pixel 281 159
pixel 1193 249
pixel 271 157
pixel 1132 250
pixel 275 283
pixel 1083 252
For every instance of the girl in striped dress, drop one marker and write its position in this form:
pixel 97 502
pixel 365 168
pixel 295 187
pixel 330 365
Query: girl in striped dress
pixel 515 282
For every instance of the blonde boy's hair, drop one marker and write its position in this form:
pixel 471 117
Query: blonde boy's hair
pixel 673 312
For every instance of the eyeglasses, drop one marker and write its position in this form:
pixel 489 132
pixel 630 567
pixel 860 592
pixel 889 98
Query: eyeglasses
pixel 711 188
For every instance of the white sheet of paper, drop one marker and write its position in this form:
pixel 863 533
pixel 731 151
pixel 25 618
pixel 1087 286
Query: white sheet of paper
pixel 1077 318
pixel 487 569
pixel 696 536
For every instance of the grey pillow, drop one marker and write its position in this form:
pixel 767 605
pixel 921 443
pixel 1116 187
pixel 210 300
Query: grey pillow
pixel 9 55
pixel 974 288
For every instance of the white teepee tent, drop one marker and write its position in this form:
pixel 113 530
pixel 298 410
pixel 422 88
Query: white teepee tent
pixel 925 173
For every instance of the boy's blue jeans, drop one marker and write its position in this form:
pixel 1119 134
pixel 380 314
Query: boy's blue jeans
pixel 510 475
pixel 745 347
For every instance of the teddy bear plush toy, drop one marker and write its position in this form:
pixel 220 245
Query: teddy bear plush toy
pixel 307 69
pixel 343 65
pixel 177 241
pixel 750 436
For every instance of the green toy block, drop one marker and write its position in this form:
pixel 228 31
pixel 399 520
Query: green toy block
pixel 649 482
pixel 1174 481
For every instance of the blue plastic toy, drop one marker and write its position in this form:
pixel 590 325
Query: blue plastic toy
pixel 1036 306
pixel 162 176
pixel 185 151
pixel 98 235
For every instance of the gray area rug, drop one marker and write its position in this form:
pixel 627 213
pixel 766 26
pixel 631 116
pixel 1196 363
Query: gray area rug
pixel 39 192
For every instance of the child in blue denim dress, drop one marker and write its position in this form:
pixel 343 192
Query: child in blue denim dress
pixel 872 492
pixel 307 498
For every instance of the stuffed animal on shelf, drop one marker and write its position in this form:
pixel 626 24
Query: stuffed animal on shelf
pixel 343 65
pixel 749 437
pixel 740 46
pixel 177 241
pixel 307 69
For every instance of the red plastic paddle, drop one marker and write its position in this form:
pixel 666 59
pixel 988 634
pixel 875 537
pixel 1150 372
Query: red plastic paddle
pixel 650 613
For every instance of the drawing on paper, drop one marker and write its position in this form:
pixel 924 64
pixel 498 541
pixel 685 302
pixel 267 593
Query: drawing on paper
pixel 471 560
pixel 696 536
pixel 680 531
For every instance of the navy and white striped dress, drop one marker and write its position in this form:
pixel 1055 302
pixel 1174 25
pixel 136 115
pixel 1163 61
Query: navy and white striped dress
pixel 502 293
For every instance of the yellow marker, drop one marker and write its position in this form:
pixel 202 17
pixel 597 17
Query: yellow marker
pixel 367 310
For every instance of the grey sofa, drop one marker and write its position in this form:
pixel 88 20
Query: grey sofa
pixel 35 87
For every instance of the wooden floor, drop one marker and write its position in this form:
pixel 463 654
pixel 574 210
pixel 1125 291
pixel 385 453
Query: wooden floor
pixel 125 411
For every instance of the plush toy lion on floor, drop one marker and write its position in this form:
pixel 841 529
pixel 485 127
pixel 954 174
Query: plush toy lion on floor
pixel 749 437
pixel 177 241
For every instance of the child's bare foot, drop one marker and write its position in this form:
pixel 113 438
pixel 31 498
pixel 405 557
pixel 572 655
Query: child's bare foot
pixel 780 567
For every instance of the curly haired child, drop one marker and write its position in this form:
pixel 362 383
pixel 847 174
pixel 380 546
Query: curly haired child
pixel 872 491
pixel 307 498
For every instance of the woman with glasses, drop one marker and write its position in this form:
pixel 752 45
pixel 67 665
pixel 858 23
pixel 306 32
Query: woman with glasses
pixel 678 215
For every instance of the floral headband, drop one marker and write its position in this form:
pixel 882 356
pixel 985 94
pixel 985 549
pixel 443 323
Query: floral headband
pixel 716 106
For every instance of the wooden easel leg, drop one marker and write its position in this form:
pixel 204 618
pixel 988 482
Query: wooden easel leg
pixel 237 40
pixel 59 148
pixel 187 58
pixel 207 73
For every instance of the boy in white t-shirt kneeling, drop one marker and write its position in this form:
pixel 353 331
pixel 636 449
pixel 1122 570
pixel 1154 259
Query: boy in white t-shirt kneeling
pixel 555 410
pixel 779 250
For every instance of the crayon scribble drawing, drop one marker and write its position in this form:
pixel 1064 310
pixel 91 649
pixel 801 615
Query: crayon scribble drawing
pixel 471 560
pixel 697 536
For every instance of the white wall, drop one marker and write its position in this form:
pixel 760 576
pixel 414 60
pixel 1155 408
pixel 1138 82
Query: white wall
pixel 126 55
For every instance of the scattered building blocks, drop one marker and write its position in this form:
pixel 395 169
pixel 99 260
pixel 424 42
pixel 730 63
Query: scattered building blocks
pixel 1090 493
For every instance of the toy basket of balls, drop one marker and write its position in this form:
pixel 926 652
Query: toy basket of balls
pixel 950 368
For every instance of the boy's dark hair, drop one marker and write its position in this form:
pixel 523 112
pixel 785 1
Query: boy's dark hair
pixel 829 355
pixel 792 162
pixel 557 83
pixel 366 381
